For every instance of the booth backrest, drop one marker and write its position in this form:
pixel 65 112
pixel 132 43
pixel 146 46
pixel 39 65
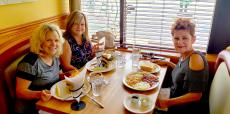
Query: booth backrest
pixel 14 44
pixel 219 97
pixel 9 60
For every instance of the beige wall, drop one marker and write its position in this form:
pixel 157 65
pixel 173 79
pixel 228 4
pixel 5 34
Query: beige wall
pixel 75 5
pixel 16 14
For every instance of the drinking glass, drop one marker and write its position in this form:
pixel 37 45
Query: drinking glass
pixel 121 60
pixel 97 83
pixel 97 80
pixel 135 57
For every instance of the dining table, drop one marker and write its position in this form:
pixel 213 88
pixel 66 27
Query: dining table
pixel 112 96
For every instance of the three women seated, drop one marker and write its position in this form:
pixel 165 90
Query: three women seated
pixel 39 69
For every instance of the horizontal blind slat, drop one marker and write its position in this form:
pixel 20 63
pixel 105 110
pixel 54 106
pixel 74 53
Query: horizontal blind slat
pixel 147 19
pixel 148 22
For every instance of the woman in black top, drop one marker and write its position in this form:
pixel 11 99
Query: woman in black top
pixel 190 74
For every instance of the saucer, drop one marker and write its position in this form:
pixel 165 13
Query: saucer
pixel 138 103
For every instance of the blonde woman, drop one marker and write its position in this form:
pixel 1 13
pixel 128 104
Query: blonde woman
pixel 39 69
pixel 78 49
pixel 190 74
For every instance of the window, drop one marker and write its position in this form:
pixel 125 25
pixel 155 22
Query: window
pixel 102 15
pixel 148 22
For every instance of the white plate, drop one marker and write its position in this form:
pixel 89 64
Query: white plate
pixel 129 86
pixel 94 61
pixel 143 104
pixel 62 84
pixel 157 67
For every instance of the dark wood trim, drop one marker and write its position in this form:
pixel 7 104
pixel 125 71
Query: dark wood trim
pixel 122 26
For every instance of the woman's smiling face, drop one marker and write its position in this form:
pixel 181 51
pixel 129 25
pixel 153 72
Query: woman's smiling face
pixel 78 28
pixel 183 41
pixel 51 43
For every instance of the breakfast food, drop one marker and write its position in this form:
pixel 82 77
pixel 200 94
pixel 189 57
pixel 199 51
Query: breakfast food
pixel 141 80
pixel 142 85
pixel 107 56
pixel 151 79
pixel 98 67
pixel 134 78
pixel 105 61
pixel 148 66
pixel 62 91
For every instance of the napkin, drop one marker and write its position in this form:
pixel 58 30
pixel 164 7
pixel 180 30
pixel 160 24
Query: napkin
pixel 75 82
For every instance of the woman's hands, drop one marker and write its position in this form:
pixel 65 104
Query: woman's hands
pixel 184 99
pixel 95 48
pixel 45 95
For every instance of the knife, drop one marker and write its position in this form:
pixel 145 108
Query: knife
pixel 94 100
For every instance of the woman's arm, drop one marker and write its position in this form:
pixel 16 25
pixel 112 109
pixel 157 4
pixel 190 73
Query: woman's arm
pixel 184 99
pixel 163 62
pixel 171 64
pixel 65 58
pixel 23 92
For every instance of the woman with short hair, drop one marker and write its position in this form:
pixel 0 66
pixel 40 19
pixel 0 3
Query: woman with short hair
pixel 190 74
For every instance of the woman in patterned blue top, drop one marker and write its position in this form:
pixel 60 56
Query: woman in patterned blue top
pixel 78 49
pixel 189 75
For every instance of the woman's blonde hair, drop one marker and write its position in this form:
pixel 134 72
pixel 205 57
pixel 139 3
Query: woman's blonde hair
pixel 39 37
pixel 184 24
pixel 76 17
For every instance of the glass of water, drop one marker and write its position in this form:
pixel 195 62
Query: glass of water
pixel 97 80
pixel 121 60
pixel 135 57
